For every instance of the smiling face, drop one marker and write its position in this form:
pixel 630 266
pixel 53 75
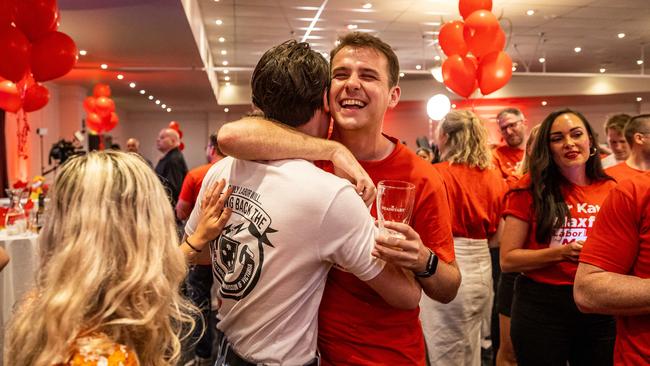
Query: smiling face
pixel 512 129
pixel 569 143
pixel 360 93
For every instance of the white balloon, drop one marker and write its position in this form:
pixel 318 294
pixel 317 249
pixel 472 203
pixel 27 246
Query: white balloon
pixel 438 106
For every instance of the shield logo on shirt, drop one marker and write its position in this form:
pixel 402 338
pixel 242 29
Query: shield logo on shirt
pixel 228 252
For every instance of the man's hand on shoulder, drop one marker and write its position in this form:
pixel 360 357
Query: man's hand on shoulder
pixel 346 166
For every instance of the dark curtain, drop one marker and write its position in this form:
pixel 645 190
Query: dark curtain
pixel 4 177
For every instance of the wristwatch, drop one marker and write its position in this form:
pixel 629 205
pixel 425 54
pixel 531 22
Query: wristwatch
pixel 432 265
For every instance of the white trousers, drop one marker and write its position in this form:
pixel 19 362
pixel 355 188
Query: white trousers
pixel 453 331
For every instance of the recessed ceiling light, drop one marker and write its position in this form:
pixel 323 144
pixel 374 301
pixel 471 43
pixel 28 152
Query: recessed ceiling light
pixel 225 63
pixel 132 85
pixel 226 71
pixel 639 62
pixel 401 74
pixel 226 110
pixel 544 103
pixel 103 66
pixel 222 40
pixel 367 6
pixel 169 109
pixel 164 106
pixel 418 67
pixel 227 78
pixel 352 26
pixel 638 99
pixel 436 57
pixel 530 12
pixel 453 105
pixel 218 22
pixel 83 52
pixel 120 76
pixel 578 49
pixel 224 52
pixel 602 70
pixel 142 91
pixel 157 101
pixel 621 35
pixel 542 60
pixel 151 97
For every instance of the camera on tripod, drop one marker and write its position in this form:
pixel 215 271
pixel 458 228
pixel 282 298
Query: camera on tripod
pixel 61 151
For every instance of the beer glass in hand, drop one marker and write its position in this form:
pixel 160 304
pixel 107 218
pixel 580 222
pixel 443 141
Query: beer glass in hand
pixel 395 200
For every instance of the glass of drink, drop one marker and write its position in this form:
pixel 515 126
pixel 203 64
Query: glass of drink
pixel 395 200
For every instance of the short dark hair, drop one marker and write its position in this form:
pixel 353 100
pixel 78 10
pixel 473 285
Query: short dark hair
pixel 213 142
pixel 514 111
pixel 365 40
pixel 617 122
pixel 289 82
pixel 637 124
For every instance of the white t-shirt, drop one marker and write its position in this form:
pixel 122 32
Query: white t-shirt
pixel 291 222
pixel 609 161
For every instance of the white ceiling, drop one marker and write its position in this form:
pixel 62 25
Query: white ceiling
pixel 151 42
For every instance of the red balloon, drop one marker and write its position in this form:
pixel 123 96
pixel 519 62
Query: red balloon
pixel 36 97
pixel 89 104
pixel 102 90
pixel 180 134
pixel 104 106
pixel 473 59
pixel 94 122
pixel 467 7
pixel 482 21
pixel 174 125
pixel 14 48
pixel 181 147
pixel 7 12
pixel 494 72
pixel 53 56
pixel 9 96
pixel 459 74
pixel 451 38
pixel 36 18
pixel 482 43
pixel 110 122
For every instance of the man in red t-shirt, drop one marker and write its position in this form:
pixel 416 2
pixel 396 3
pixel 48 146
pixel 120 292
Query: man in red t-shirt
pixel 355 325
pixel 613 276
pixel 637 134
pixel 512 124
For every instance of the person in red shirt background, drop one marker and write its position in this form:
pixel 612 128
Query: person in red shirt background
pixel 475 192
pixel 637 134
pixel 512 124
pixel 614 272
pixel 547 218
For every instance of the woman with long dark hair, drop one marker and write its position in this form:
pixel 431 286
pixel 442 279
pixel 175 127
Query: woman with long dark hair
pixel 548 216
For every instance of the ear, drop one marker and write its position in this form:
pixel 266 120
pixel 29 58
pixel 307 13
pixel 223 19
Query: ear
pixel 395 93
pixel 326 104
pixel 638 138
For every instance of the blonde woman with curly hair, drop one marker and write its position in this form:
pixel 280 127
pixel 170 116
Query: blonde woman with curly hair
pixel 475 190
pixel 107 292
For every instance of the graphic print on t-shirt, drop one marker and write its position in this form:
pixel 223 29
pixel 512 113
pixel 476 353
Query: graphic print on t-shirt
pixel 575 228
pixel 238 253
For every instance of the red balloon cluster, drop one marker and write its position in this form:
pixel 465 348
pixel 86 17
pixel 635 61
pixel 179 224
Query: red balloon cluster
pixel 177 127
pixel 475 50
pixel 32 51
pixel 100 110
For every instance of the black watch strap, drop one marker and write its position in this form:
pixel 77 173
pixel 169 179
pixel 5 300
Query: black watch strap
pixel 432 265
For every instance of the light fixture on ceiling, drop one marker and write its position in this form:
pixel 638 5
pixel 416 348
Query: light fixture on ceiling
pixel 602 70
pixel 639 99
pixel 639 62
pixel 142 91
pixel 226 71
pixel 418 67
pixel 367 6
pixel 544 103
pixel 436 57
pixel 83 52
pixel 227 78
pixel 352 26
pixel 163 106
pixel 132 84
pixel 169 109
pixel 120 76
pixel 438 106
pixel 151 97
pixel 453 106
pixel 621 35
pixel 542 60
pixel 218 22
pixel 226 110
pixel 224 52
pixel 103 66
pixel 222 40
pixel 157 101
pixel 224 63
pixel 401 74
pixel 530 12
pixel 577 49
pixel 437 74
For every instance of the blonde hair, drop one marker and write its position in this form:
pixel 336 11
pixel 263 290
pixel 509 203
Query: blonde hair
pixel 467 140
pixel 530 145
pixel 110 263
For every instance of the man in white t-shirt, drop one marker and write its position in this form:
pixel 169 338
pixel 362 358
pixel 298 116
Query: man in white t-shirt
pixel 290 223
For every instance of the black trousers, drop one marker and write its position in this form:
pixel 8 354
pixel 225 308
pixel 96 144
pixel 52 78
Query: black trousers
pixel 547 329
pixel 198 286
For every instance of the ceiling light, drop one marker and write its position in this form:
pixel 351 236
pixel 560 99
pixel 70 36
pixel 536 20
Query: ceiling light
pixel 132 85
pixel 352 26
pixel 418 67
pixel 602 70
pixel 227 78
pixel 578 49
pixel 226 110
pixel 163 106
pixel 436 57
pixel 169 109
pixel 401 74
pixel 437 74
pixel 542 60
pixel 621 35
pixel 103 66
pixel 224 63
pixel 142 91
pixel 218 22
pixel 226 71
pixel 453 106
pixel 224 52
pixel 544 103
pixel 83 52
pixel 120 76
pixel 222 40
pixel 151 97
pixel 639 62
pixel 638 99
pixel 530 12
pixel 157 101
pixel 367 6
